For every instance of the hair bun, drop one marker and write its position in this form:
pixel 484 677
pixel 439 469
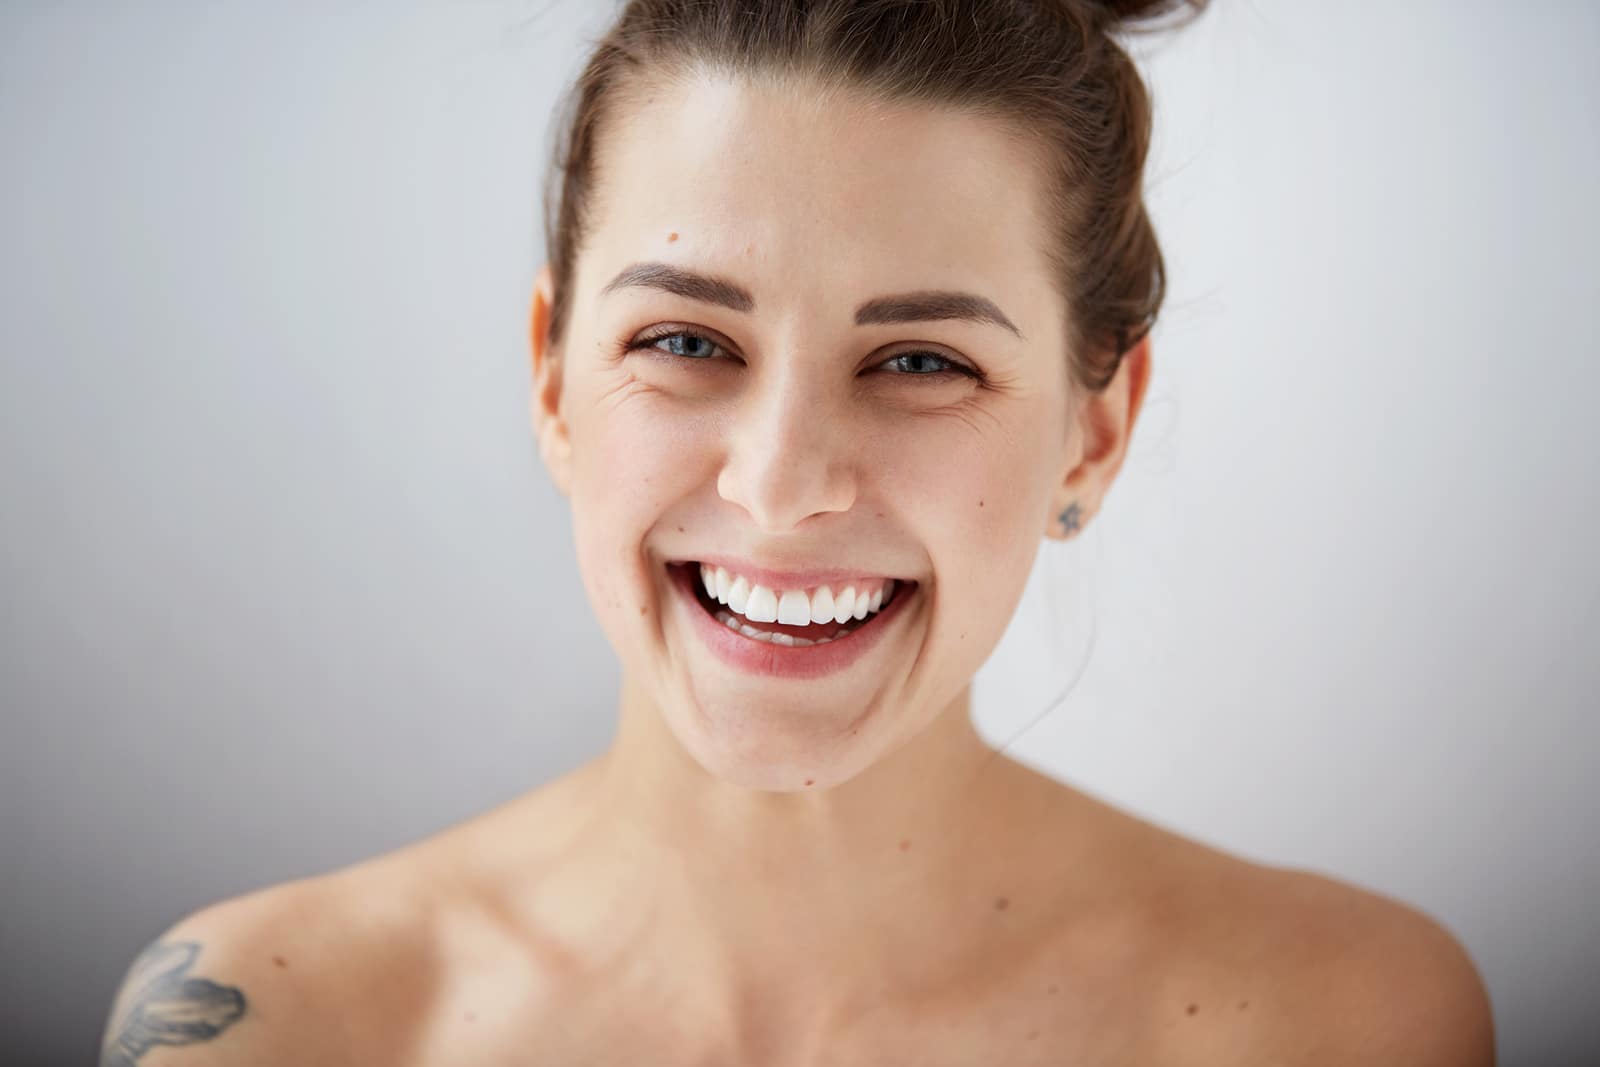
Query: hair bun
pixel 1141 14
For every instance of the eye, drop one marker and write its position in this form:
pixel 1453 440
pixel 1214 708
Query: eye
pixel 927 365
pixel 686 344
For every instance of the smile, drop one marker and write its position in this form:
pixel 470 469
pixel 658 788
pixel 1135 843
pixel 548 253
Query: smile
pixel 792 633
pixel 806 617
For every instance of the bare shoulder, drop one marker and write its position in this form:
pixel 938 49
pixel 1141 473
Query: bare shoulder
pixel 1387 982
pixel 1294 967
pixel 299 972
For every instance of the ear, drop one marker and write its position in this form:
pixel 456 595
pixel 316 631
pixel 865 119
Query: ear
pixel 1104 426
pixel 555 443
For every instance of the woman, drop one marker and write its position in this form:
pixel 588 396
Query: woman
pixel 847 307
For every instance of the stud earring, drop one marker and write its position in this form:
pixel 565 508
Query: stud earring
pixel 1070 517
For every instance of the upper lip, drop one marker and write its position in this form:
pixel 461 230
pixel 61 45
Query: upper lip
pixel 804 578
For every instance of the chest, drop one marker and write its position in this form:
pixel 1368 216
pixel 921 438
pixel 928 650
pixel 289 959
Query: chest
pixel 1037 1019
pixel 614 1037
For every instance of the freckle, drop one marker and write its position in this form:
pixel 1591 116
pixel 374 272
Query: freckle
pixel 643 610
pixel 880 514
pixel 905 845
pixel 470 1017
pixel 671 237
pixel 1191 1009
pixel 810 780
pixel 1243 1004
pixel 1054 988
pixel 980 503
pixel 680 529
pixel 1001 903
pixel 280 961
pixel 1033 1035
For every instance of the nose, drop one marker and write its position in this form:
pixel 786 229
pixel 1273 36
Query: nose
pixel 788 458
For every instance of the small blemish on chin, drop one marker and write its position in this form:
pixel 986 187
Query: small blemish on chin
pixel 671 237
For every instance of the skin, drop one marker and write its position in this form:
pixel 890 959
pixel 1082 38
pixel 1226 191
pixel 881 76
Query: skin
pixel 839 870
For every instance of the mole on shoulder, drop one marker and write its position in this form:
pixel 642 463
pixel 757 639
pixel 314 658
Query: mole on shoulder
pixel 1192 1009
pixel 1001 903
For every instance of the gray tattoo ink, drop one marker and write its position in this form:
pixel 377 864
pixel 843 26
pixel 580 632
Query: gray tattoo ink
pixel 165 1007
pixel 1069 517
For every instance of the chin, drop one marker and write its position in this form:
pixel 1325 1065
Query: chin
pixel 786 747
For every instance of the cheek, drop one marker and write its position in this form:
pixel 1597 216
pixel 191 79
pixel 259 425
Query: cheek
pixel 977 495
pixel 631 462
pixel 977 489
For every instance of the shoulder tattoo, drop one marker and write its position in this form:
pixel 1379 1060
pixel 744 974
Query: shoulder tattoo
pixel 165 1005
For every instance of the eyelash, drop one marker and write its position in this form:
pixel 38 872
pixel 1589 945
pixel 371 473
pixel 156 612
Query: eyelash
pixel 953 368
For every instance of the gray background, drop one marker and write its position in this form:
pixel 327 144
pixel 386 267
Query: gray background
pixel 284 586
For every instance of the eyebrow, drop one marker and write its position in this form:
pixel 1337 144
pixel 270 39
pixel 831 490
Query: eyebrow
pixel 923 305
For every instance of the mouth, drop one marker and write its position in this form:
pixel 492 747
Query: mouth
pixel 852 620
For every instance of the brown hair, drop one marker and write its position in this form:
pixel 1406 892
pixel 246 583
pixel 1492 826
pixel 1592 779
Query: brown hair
pixel 1050 70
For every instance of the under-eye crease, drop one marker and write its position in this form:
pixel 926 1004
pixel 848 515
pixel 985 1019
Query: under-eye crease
pixel 949 367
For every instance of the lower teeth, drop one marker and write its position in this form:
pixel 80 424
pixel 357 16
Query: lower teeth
pixel 727 619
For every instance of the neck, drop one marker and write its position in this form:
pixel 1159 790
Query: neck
pixel 810 899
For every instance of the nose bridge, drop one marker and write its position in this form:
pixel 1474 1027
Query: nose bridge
pixel 788 454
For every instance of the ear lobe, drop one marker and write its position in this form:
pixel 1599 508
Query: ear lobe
pixel 555 442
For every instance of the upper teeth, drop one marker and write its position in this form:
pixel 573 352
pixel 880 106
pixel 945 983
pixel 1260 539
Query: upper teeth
pixel 795 607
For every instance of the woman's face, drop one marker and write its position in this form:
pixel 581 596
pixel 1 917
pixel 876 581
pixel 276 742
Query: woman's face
pixel 759 420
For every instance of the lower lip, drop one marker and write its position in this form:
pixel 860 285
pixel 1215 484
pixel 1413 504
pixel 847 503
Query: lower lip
pixel 781 661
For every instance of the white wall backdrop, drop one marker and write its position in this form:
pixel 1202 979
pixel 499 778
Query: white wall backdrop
pixel 283 585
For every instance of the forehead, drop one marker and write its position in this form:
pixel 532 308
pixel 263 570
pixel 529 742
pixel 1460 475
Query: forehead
pixel 802 192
